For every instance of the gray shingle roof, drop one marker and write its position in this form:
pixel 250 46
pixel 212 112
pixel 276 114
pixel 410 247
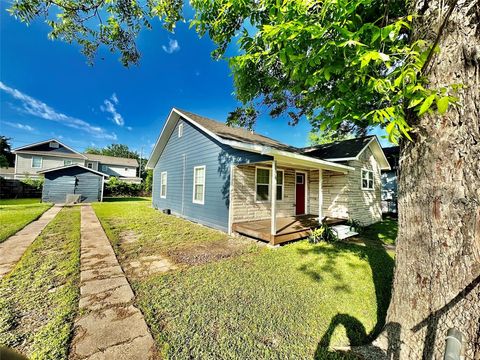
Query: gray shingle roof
pixel 237 134
pixel 339 149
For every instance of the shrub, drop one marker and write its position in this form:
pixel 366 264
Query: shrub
pixel 147 184
pixel 115 187
pixel 322 233
pixel 34 183
pixel 355 225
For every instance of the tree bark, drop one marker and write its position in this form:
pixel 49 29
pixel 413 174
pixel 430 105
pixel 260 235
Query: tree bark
pixel 437 274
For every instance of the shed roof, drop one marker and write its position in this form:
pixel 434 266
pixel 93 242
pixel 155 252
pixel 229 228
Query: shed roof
pixel 72 166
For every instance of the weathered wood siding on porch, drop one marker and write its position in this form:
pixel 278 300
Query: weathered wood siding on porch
pixel 343 196
pixel 245 206
pixel 180 156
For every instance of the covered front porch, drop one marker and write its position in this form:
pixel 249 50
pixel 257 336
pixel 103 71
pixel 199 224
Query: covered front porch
pixel 286 228
pixel 283 199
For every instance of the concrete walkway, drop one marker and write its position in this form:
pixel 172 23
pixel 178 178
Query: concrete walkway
pixel 12 249
pixel 109 326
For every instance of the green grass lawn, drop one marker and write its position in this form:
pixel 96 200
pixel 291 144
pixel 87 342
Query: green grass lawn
pixel 20 201
pixel 384 231
pixel 17 213
pixel 39 298
pixel 296 301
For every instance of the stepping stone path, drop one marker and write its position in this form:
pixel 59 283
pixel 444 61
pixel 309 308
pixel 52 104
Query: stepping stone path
pixel 109 325
pixel 12 249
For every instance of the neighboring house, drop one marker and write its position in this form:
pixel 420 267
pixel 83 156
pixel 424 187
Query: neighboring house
pixel 7 173
pixel 239 181
pixel 389 181
pixel 72 183
pixel 31 160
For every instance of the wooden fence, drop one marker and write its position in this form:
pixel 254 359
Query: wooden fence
pixel 12 189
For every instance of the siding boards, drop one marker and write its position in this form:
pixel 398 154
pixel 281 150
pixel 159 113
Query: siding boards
pixel 196 148
pixel 71 181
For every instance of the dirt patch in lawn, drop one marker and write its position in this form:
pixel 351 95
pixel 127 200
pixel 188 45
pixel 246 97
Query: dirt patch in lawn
pixel 149 265
pixel 128 237
pixel 212 251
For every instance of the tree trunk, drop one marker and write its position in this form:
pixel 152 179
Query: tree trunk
pixel 437 272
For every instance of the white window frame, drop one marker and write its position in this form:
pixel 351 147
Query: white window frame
pixel 362 178
pixel 195 201
pixel 41 162
pixel 67 162
pixel 180 130
pixel 89 165
pixel 270 183
pixel 162 195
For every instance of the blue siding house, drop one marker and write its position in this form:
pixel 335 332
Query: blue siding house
pixel 236 180
pixel 189 147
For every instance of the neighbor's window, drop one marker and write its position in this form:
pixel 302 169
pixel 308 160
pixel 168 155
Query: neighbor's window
pixel 36 162
pixel 263 184
pixel 199 184
pixel 89 165
pixel 67 162
pixel 367 180
pixel 163 184
pixel 180 130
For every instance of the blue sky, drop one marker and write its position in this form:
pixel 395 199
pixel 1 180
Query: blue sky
pixel 48 90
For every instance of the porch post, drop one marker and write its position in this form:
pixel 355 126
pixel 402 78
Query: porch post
pixel 320 195
pixel 273 194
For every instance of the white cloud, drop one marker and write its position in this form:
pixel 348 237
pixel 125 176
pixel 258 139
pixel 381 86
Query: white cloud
pixel 129 128
pixel 39 109
pixel 19 126
pixel 109 106
pixel 172 46
pixel 114 98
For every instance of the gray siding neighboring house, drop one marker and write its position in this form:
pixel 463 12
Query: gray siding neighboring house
pixel 340 180
pixel 72 180
pixel 32 159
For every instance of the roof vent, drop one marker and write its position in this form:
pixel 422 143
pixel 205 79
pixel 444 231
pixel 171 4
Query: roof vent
pixel 53 145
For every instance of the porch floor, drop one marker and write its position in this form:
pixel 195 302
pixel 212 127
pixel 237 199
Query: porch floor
pixel 288 228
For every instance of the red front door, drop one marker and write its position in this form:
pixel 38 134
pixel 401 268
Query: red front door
pixel 300 194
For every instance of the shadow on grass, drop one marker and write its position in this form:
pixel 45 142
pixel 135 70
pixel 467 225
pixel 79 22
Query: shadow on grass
pixel 383 232
pixel 381 264
pixel 125 199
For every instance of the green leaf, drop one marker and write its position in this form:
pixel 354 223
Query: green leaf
pixel 426 105
pixel 442 104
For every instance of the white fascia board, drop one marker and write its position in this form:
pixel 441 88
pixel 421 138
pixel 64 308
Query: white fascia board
pixel 265 150
pixel 380 153
pixel 70 166
pixel 172 119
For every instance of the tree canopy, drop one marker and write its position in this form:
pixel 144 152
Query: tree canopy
pixel 6 157
pixel 116 150
pixel 341 63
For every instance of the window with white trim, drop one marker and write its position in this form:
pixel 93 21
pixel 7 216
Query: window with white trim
pixel 163 185
pixel 36 162
pixel 90 165
pixel 67 162
pixel 199 184
pixel 180 130
pixel 367 179
pixel 263 184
